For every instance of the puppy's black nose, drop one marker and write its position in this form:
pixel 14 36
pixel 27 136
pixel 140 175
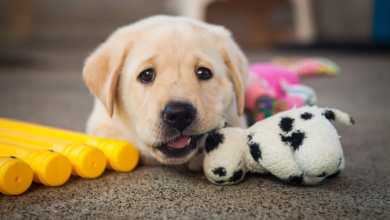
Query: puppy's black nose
pixel 179 115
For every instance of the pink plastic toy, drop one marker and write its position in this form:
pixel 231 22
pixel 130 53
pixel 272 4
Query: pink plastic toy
pixel 272 89
pixel 316 66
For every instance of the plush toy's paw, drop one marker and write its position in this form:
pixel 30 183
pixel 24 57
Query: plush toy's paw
pixel 340 168
pixel 305 179
pixel 313 180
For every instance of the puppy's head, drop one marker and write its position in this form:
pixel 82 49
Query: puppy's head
pixel 169 80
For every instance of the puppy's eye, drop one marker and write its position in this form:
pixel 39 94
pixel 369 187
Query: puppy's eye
pixel 203 73
pixel 147 76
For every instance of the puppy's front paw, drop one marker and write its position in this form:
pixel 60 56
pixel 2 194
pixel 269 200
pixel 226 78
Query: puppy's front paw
pixel 196 163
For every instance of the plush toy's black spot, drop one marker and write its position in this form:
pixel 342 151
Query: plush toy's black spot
pixel 351 119
pixel 295 140
pixel 219 181
pixel 306 116
pixel 295 179
pixel 329 114
pixel 255 150
pixel 226 124
pixel 335 174
pixel 220 171
pixel 12 157
pixel 338 166
pixel 236 176
pixel 322 175
pixel 250 136
pixel 286 124
pixel 213 140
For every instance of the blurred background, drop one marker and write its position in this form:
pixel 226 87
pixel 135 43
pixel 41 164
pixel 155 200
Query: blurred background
pixel 43 43
pixel 255 23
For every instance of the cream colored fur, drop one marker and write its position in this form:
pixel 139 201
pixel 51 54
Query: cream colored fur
pixel 174 47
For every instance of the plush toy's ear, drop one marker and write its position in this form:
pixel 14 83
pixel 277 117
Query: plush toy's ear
pixel 102 68
pixel 236 63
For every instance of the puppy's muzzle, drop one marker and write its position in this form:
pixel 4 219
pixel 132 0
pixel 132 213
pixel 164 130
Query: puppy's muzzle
pixel 179 115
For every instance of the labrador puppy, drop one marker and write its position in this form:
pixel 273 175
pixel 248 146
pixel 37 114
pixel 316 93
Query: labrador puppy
pixel 162 83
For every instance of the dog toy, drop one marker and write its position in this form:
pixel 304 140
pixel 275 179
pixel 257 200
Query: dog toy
pixel 313 66
pixel 87 161
pixel 15 176
pixel 49 168
pixel 300 146
pixel 121 156
pixel 272 89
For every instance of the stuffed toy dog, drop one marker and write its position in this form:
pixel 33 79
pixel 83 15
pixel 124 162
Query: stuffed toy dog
pixel 299 146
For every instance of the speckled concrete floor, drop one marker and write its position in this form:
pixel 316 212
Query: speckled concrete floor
pixel 47 88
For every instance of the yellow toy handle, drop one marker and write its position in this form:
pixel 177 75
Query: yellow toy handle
pixel 87 161
pixel 121 156
pixel 15 176
pixel 49 168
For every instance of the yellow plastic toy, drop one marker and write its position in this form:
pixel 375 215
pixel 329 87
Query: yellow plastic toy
pixel 87 161
pixel 15 176
pixel 121 156
pixel 49 168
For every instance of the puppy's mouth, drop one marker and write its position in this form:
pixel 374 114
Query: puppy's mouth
pixel 179 147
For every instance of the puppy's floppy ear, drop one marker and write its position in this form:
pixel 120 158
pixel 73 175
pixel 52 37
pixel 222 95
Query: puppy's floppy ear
pixel 237 64
pixel 102 69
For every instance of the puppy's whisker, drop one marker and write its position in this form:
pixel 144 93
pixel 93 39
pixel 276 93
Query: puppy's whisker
pixel 226 118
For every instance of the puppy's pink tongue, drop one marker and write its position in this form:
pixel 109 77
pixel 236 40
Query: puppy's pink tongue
pixel 179 142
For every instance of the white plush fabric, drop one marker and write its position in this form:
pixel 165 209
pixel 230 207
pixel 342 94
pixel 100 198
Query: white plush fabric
pixel 299 146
